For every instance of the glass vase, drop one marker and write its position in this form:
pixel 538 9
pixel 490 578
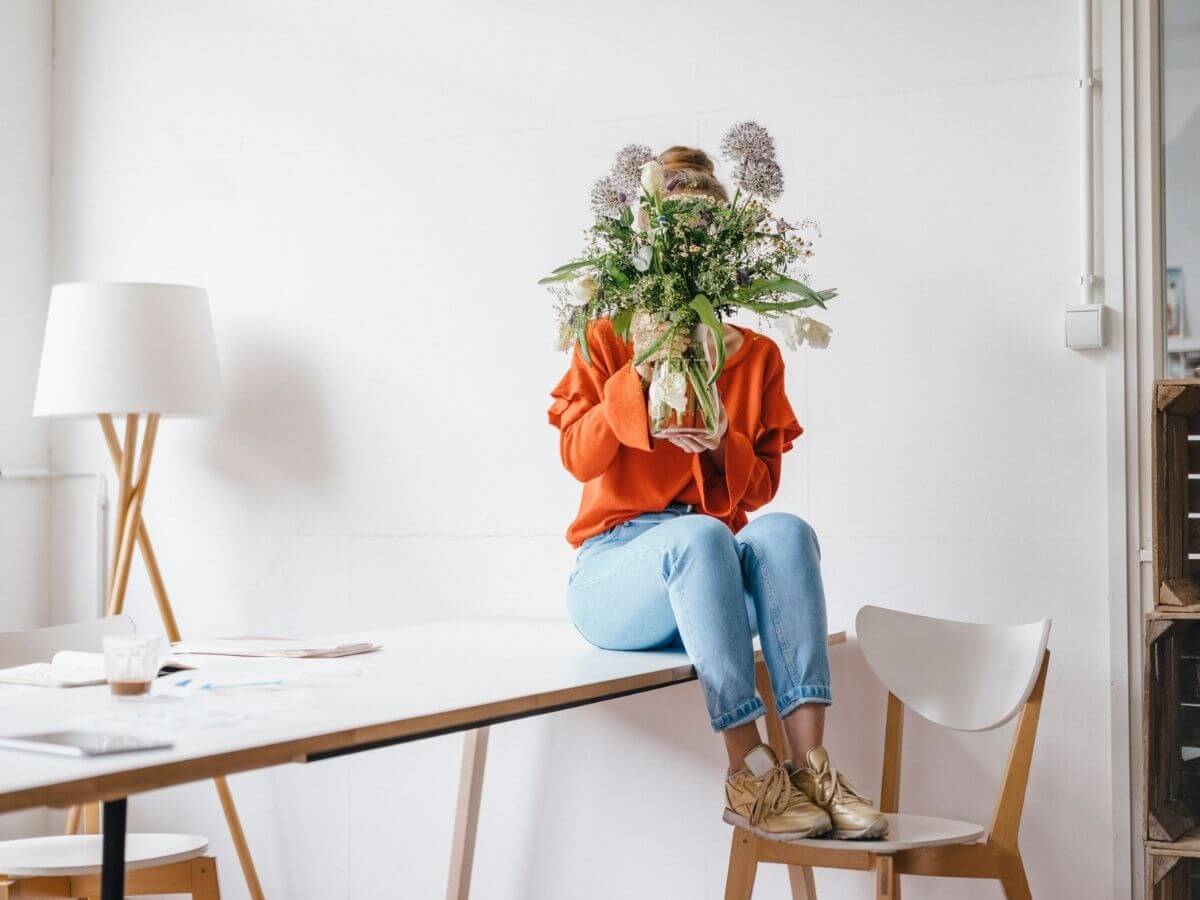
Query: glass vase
pixel 680 400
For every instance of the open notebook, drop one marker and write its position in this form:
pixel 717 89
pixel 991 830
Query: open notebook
pixel 72 668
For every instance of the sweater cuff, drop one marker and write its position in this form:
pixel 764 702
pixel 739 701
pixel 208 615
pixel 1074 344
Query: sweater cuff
pixel 721 493
pixel 625 409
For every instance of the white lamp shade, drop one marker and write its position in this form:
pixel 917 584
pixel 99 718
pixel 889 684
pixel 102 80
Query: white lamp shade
pixel 124 348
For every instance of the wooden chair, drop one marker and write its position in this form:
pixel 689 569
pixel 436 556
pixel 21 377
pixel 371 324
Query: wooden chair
pixel 69 865
pixel 960 675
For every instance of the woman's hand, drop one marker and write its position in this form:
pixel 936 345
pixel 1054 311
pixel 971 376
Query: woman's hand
pixel 695 443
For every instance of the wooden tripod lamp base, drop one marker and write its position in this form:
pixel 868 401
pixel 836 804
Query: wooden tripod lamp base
pixel 134 349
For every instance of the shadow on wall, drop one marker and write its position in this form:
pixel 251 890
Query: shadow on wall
pixel 274 433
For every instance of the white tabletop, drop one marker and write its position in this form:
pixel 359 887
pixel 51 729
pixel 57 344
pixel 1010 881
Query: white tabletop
pixel 427 680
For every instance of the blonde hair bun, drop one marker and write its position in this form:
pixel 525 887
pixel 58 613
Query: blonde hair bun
pixel 690 171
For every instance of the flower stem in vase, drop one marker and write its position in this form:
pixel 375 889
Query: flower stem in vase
pixel 681 400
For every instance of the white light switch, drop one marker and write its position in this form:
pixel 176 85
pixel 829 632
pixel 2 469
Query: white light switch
pixel 1085 327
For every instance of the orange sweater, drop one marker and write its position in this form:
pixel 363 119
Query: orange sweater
pixel 600 410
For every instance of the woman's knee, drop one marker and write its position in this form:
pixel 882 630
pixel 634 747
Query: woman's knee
pixel 785 530
pixel 703 535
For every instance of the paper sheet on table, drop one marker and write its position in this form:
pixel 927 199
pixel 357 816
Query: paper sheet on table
pixel 273 647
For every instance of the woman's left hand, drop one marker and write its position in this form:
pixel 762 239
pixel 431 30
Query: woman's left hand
pixel 694 443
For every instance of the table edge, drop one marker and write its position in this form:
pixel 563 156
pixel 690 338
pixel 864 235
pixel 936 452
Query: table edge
pixel 114 785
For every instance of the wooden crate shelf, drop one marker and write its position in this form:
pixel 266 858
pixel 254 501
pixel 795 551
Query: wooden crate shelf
pixel 1191 611
pixel 1172 876
pixel 1171 711
pixel 1171 727
pixel 1175 457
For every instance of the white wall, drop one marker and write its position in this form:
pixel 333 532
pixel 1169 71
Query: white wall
pixel 369 192
pixel 25 48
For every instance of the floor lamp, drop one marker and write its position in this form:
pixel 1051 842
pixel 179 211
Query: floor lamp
pixel 136 351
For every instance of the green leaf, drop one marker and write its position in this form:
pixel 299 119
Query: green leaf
pixel 626 216
pixel 572 266
pixel 767 307
pixel 712 322
pixel 565 273
pixel 653 348
pixel 792 286
pixel 619 278
pixel 621 322
pixel 551 279
pixel 783 285
pixel 582 342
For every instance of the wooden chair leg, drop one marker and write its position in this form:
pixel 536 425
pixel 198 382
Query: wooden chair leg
pixel 887 882
pixel 1013 880
pixel 801 880
pixel 204 879
pixel 743 865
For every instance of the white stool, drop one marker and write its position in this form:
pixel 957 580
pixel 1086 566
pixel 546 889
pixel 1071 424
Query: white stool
pixel 69 866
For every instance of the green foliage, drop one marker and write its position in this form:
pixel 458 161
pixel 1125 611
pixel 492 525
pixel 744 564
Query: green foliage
pixel 694 261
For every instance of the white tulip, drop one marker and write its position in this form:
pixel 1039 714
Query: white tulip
pixel 641 220
pixel 642 257
pixel 669 388
pixel 817 333
pixel 798 329
pixel 652 177
pixel 582 290
pixel 791 328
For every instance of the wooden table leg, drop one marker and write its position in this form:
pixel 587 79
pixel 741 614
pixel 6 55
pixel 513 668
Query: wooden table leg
pixel 466 816
pixel 112 869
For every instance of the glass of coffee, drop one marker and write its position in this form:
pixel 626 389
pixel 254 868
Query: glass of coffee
pixel 131 662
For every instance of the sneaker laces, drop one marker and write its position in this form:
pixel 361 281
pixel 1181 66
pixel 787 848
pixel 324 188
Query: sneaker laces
pixel 774 795
pixel 834 787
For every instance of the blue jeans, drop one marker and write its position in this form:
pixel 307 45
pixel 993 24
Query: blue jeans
pixel 675 576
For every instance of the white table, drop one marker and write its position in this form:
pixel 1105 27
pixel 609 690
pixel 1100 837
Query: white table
pixel 428 680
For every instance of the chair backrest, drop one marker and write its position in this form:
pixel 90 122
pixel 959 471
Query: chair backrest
pixel 963 675
pixel 18 648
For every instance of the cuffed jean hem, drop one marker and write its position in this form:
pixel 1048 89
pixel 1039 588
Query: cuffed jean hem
pixel 747 712
pixel 815 693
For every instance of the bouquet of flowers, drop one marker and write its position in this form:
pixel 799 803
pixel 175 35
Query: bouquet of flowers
pixel 667 266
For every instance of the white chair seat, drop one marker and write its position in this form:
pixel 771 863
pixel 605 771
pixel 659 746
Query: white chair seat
pixel 906 832
pixel 64 855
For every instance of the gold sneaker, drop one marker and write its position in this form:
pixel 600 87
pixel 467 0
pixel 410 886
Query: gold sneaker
pixel 762 798
pixel 854 818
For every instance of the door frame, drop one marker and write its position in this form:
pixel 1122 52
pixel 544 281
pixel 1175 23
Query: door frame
pixel 1130 139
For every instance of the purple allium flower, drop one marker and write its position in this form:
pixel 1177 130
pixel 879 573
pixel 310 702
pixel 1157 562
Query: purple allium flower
pixel 626 171
pixel 761 177
pixel 747 142
pixel 606 199
pixel 751 150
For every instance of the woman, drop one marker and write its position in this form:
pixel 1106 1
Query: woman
pixel 666 556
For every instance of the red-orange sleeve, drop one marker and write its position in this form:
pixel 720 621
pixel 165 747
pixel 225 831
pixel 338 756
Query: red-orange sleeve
pixel 599 406
pixel 752 463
